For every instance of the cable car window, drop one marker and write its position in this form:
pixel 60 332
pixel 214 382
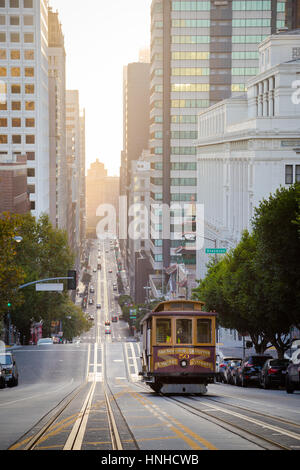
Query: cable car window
pixel 184 331
pixel 163 331
pixel 204 331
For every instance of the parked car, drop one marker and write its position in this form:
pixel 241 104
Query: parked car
pixel 223 363
pixel 107 330
pixel 293 373
pixel 45 342
pixel 98 306
pixel 2 377
pixel 91 302
pixel 92 290
pixel 231 369
pixel 91 318
pixel 250 368
pixel 9 366
pixel 273 373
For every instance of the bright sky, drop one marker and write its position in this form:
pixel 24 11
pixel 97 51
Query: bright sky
pixel 101 36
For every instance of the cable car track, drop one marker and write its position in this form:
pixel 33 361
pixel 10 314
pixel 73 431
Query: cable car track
pixel 257 438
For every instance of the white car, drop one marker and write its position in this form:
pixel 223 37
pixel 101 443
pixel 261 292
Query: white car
pixel 45 342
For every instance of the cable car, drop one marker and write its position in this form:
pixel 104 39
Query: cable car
pixel 179 348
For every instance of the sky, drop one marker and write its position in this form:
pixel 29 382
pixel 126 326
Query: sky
pixel 101 36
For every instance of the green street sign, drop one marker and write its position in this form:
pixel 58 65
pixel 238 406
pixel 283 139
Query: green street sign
pixel 216 251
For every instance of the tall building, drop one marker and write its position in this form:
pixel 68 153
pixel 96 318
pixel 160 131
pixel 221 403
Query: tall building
pixel 57 122
pixel 101 189
pixel 292 14
pixel 136 121
pixel 75 157
pixel 201 52
pixel 24 119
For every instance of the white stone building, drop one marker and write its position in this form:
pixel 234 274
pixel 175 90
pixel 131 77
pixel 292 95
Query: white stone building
pixel 249 146
pixel 24 107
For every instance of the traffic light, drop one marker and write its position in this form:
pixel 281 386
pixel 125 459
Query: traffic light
pixel 9 304
pixel 72 283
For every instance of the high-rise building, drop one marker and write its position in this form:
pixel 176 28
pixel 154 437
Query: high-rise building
pixel 75 125
pixel 136 122
pixel 201 52
pixel 101 190
pixel 57 122
pixel 24 106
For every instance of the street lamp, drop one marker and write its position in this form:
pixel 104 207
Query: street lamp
pixel 18 239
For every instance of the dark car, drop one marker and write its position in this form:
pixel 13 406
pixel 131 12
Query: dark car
pixel 2 377
pixel 273 373
pixel 250 369
pixel 231 370
pixel 293 373
pixel 8 363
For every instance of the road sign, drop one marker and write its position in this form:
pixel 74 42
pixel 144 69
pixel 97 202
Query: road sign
pixel 49 287
pixel 216 251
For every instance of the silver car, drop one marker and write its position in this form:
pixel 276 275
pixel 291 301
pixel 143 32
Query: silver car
pixel 9 366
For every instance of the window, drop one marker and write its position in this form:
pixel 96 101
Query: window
pixel 2 3
pixel 30 122
pixel 3 71
pixel 2 37
pixel 184 331
pixel 15 72
pixel 288 174
pixel 3 122
pixel 28 3
pixel 16 105
pixel 29 89
pixel 29 105
pixel 28 37
pixel 2 20
pixel 14 4
pixel 16 122
pixel 31 172
pixel 2 54
pixel 15 54
pixel 29 54
pixel 3 139
pixel 16 139
pixel 29 72
pixel 16 89
pixel 3 106
pixel 204 331
pixel 30 139
pixel 297 173
pixel 163 331
pixel 28 20
pixel 14 20
pixel 14 37
pixel 30 156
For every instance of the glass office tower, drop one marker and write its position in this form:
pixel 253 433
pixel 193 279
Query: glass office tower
pixel 201 52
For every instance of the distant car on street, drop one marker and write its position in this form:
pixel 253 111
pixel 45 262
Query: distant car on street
pixel 9 366
pixel 273 373
pixel 107 323
pixel 45 342
pixel 231 369
pixel 223 363
pixel 91 302
pixel 98 306
pixel 250 368
pixel 107 330
pixel 293 373
pixel 114 319
pixel 110 271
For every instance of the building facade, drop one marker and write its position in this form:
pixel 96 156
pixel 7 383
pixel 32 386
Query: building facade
pixel 13 185
pixel 24 118
pixel 249 146
pixel 57 122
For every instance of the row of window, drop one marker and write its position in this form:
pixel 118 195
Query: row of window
pixel 17 106
pixel 189 103
pixel 17 139
pixel 182 197
pixel 190 71
pixel 176 181
pixel 257 5
pixel 17 122
pixel 177 151
pixel 16 88
pixel 178 119
pixel 16 3
pixel 192 23
pixel 28 38
pixel 190 55
pixel 15 54
pixel 190 39
pixel 245 71
pixel 176 166
pixel 190 6
pixel 28 20
pixel 16 72
pixel 190 87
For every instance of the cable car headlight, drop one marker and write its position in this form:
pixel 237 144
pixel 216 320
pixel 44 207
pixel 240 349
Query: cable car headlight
pixel 184 363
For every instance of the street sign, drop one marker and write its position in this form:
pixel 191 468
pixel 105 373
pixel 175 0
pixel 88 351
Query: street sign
pixel 216 251
pixel 49 287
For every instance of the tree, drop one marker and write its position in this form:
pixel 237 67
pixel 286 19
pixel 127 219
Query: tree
pixel 11 274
